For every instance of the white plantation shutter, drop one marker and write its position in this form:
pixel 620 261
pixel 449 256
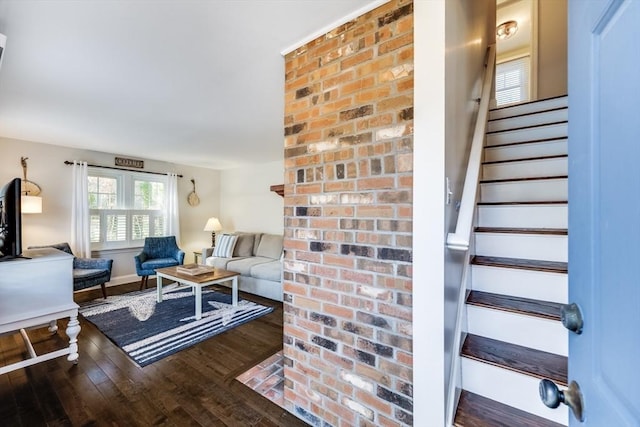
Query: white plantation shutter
pixel 512 81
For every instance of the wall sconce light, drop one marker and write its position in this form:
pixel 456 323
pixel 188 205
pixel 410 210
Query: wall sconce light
pixel 30 201
pixel 213 225
pixel 506 30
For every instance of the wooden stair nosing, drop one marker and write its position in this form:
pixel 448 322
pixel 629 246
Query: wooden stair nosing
pixel 526 159
pixel 495 132
pixel 517 230
pixel 528 102
pixel 478 411
pixel 530 307
pixel 516 358
pixel 533 202
pixel 548 110
pixel 521 264
pixel 529 141
pixel 535 178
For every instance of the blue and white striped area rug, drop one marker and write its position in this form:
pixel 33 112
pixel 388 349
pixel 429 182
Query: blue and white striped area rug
pixel 148 331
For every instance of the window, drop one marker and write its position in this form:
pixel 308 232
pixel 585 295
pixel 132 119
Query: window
pixel 124 208
pixel 512 81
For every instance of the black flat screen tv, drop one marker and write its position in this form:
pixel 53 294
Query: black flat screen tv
pixel 10 221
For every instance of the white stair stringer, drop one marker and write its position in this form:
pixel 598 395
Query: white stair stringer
pixel 528 331
pixel 539 285
pixel 528 107
pixel 530 119
pixel 537 190
pixel 523 216
pixel 527 150
pixel 522 246
pixel 536 168
pixel 509 387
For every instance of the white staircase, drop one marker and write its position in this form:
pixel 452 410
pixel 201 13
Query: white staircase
pixel 513 335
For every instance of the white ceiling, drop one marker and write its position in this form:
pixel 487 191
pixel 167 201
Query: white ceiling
pixel 519 11
pixel 192 82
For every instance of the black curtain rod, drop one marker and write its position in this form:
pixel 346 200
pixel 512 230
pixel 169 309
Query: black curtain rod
pixel 67 162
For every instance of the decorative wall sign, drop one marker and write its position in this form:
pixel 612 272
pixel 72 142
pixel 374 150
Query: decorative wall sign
pixel 193 198
pixel 129 163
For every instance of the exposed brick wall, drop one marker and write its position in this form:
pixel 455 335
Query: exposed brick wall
pixel 348 230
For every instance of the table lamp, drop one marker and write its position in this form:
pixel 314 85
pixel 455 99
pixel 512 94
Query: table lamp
pixel 213 225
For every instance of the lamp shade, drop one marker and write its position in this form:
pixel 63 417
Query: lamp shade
pixel 213 224
pixel 31 204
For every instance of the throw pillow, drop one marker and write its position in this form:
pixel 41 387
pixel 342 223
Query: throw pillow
pixel 224 246
pixel 244 245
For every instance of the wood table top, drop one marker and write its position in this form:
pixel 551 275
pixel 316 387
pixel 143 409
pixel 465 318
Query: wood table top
pixel 214 274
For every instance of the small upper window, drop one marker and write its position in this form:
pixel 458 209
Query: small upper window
pixel 512 81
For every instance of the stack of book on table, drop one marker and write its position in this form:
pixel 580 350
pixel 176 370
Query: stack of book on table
pixel 194 269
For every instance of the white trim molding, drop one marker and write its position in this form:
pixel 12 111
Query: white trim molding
pixel 335 24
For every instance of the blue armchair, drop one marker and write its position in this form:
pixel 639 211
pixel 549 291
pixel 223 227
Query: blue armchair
pixel 158 252
pixel 87 272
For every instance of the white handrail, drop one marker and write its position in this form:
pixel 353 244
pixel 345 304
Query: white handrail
pixel 459 240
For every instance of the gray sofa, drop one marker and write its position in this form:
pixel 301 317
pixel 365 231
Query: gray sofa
pixel 258 259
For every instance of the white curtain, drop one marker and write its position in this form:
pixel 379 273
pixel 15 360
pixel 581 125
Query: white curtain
pixel 173 218
pixel 80 241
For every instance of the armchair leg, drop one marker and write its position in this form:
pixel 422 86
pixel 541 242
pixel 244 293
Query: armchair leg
pixel 142 282
pixel 104 291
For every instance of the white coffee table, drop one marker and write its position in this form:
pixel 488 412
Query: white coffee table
pixel 197 282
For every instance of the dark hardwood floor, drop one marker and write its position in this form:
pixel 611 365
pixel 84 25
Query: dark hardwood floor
pixel 193 387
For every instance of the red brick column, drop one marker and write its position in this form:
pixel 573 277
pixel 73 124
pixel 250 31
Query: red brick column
pixel 348 231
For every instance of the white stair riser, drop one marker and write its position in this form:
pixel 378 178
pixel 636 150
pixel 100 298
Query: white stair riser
pixel 526 169
pixel 523 216
pixel 528 134
pixel 540 285
pixel 525 191
pixel 529 331
pixel 524 151
pixel 541 118
pixel 528 108
pixel 511 388
pixel 523 246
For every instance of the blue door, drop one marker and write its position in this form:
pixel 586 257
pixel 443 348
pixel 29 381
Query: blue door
pixel 604 208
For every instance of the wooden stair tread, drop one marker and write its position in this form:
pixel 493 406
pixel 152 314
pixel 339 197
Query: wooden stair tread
pixel 495 132
pixel 531 307
pixel 526 159
pixel 547 202
pixel 478 411
pixel 533 101
pixel 530 141
pixel 524 360
pixel 522 264
pixel 515 230
pixel 531 113
pixel 537 178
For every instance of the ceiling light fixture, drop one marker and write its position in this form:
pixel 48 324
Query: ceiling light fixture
pixel 506 30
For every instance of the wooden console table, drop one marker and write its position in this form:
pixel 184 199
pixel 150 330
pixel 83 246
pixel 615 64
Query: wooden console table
pixel 36 292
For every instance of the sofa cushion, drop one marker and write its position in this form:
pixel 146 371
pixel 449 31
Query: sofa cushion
pixel 267 271
pixel 244 245
pixel 225 245
pixel 243 266
pixel 270 246
pixel 218 262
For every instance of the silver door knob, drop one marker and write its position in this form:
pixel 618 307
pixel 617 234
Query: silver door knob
pixel 552 397
pixel 571 317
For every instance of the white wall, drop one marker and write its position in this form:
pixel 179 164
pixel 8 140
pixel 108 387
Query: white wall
pixel 470 29
pixel 552 48
pixel 428 215
pixel 247 204
pixel 46 168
